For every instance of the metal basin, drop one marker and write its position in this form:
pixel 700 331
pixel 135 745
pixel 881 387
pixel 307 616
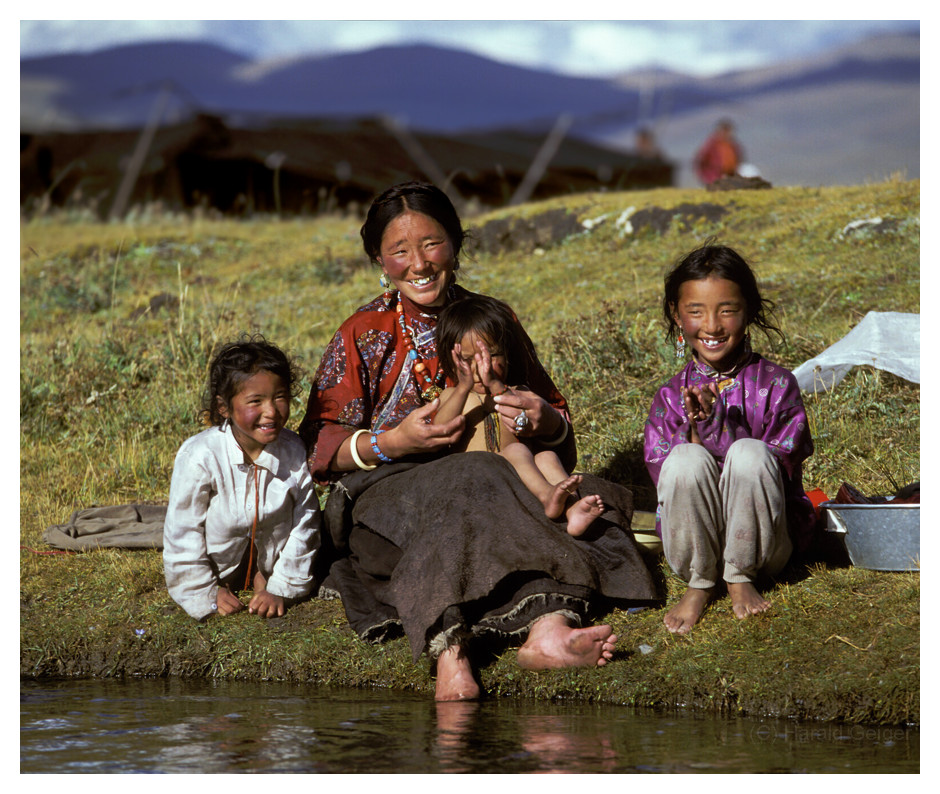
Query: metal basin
pixel 644 532
pixel 882 537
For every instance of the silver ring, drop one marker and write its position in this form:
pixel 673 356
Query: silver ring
pixel 521 421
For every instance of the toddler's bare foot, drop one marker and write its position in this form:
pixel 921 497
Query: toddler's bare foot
pixel 684 615
pixel 746 601
pixel 582 514
pixel 553 643
pixel 562 493
pixel 455 679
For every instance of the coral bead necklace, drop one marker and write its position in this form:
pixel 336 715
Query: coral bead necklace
pixel 429 387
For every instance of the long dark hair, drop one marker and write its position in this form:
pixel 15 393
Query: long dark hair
pixel 235 362
pixel 721 262
pixel 415 197
pixel 492 320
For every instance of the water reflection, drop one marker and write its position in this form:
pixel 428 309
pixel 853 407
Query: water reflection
pixel 560 747
pixel 173 726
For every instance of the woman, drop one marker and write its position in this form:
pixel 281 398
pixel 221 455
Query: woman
pixel 448 547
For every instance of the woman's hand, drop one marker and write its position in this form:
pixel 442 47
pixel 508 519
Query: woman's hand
pixel 528 414
pixel 416 434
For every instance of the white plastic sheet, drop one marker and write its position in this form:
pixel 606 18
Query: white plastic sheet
pixel 885 340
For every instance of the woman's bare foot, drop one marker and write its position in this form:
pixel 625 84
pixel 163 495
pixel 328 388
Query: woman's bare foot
pixel 554 643
pixel 582 514
pixel 684 615
pixel 746 601
pixel 455 679
pixel 560 495
pixel 454 720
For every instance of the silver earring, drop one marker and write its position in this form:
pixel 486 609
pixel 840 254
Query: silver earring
pixel 680 345
pixel 383 280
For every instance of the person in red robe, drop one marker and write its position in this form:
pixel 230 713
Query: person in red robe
pixel 449 548
pixel 720 155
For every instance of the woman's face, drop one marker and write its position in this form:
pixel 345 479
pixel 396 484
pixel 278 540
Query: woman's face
pixel 418 258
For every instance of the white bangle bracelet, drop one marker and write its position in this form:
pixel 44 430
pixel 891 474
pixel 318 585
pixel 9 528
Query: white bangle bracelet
pixel 355 452
pixel 562 437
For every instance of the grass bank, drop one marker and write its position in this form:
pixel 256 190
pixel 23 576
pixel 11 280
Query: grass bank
pixel 118 320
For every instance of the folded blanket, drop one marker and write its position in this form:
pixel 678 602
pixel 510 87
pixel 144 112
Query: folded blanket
pixel 116 526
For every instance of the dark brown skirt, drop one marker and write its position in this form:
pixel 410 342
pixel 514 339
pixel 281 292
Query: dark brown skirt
pixel 458 547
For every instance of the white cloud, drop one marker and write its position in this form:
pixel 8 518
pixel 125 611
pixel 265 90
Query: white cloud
pixel 365 34
pixel 517 43
pixel 603 47
pixel 53 36
pixel 579 47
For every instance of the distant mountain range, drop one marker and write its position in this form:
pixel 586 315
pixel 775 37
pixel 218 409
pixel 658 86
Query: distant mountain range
pixel 849 116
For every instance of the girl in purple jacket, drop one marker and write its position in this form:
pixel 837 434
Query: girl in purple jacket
pixel 725 441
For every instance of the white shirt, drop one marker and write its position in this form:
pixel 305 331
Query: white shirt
pixel 212 508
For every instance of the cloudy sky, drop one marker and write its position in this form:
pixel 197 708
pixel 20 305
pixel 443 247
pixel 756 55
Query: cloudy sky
pixel 578 47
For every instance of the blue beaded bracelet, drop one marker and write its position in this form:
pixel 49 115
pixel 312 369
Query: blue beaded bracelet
pixel 376 450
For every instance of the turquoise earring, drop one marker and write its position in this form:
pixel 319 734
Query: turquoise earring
pixel 383 280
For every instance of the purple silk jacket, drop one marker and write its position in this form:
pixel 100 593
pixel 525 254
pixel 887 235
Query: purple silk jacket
pixel 759 400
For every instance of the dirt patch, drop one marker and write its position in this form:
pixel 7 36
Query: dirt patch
pixel 164 300
pixel 739 183
pixel 660 220
pixel 525 234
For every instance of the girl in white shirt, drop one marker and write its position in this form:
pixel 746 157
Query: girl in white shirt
pixel 243 513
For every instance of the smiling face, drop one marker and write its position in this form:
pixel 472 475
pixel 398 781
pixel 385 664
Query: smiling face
pixel 418 258
pixel 712 314
pixel 258 411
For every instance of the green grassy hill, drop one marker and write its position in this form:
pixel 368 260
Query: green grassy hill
pixel 118 321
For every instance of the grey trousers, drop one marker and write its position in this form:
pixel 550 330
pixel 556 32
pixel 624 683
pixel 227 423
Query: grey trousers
pixel 729 522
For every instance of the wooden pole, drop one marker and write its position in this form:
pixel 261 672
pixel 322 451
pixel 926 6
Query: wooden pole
pixel 542 159
pixel 422 159
pixel 140 153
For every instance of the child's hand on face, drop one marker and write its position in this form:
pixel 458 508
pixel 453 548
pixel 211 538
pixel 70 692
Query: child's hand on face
pixel 484 365
pixel 481 358
pixel 227 602
pixel 464 370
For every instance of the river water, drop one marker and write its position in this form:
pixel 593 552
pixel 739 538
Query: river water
pixel 177 726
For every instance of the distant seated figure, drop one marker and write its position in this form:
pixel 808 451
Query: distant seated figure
pixel 720 155
pixel 645 145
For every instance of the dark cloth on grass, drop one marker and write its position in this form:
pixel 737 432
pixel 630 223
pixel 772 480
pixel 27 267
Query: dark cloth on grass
pixel 414 550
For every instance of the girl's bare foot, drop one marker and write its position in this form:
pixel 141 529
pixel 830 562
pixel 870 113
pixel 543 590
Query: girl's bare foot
pixel 561 494
pixel 684 615
pixel 582 514
pixel 554 643
pixel 746 601
pixel 455 679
